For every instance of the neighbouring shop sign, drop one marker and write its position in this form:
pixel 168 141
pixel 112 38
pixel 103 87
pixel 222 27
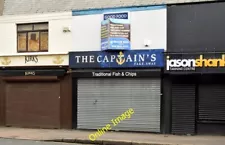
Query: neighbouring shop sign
pixel 29 73
pixel 118 59
pixel 34 60
pixel 115 34
pixel 43 72
pixel 31 58
pixel 198 62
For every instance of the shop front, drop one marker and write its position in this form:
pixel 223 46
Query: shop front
pixel 106 84
pixel 35 91
pixel 197 91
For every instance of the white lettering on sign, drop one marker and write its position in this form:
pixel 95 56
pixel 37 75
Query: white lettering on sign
pixel 114 74
pixel 176 63
pixel 92 59
pixel 130 74
pixel 101 74
pixel 29 73
pixel 137 59
pixel 99 58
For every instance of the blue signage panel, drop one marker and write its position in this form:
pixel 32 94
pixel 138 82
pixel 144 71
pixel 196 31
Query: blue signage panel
pixel 115 34
pixel 118 59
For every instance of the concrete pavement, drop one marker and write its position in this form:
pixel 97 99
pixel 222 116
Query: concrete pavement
pixel 29 142
pixel 112 138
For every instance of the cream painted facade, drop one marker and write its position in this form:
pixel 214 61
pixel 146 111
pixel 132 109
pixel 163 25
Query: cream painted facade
pixel 59 41
pixel 34 60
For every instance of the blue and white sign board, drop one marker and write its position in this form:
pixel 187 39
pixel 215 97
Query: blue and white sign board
pixel 121 59
pixel 115 34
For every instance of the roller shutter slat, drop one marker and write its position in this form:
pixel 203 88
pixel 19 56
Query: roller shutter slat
pixel 33 104
pixel 212 102
pixel 183 108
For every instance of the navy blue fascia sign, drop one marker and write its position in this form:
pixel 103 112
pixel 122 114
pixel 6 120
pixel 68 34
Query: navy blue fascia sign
pixel 117 59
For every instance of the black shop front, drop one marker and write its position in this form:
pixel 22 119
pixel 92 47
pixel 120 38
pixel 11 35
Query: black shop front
pixel 195 84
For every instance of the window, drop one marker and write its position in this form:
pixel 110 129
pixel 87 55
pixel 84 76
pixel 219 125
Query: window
pixel 32 37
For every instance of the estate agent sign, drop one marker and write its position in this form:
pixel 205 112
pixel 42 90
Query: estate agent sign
pixel 118 59
pixel 115 34
pixel 197 62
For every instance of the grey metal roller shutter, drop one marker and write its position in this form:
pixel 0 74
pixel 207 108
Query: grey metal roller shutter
pixel 183 108
pixel 100 100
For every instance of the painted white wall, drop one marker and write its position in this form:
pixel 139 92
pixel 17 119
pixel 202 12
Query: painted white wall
pixel 59 42
pixel 86 31
pixel 145 25
pixel 149 25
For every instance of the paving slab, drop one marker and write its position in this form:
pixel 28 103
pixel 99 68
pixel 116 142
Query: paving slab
pixel 109 138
